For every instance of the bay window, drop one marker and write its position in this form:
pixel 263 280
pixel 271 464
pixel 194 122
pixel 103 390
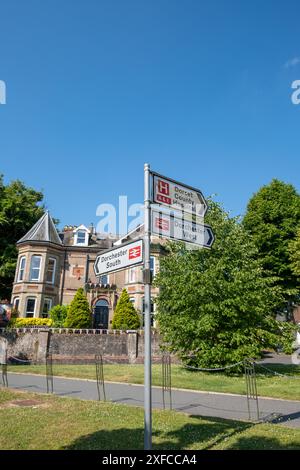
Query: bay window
pixel 21 273
pixel 46 307
pixel 50 273
pixel 16 303
pixel 35 267
pixel 30 307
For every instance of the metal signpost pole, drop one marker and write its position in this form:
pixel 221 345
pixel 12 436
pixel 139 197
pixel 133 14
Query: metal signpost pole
pixel 147 313
pixel 175 196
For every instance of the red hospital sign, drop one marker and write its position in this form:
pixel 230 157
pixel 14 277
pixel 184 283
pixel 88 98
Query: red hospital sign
pixel 163 187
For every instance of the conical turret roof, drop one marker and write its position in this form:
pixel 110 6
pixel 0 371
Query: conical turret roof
pixel 43 231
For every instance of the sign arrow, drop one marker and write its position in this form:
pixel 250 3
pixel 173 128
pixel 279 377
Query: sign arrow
pixel 177 228
pixel 209 236
pixel 117 259
pixel 177 196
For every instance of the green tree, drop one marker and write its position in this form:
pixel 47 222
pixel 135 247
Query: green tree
pixel 272 219
pixel 125 316
pixel 294 252
pixel 58 315
pixel 19 210
pixel 215 307
pixel 79 313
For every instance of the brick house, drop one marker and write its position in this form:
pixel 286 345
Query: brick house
pixel 52 266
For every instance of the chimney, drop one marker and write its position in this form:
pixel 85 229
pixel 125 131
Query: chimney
pixel 92 229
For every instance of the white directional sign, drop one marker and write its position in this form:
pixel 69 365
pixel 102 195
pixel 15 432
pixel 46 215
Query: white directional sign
pixel 170 226
pixel 119 258
pixel 177 196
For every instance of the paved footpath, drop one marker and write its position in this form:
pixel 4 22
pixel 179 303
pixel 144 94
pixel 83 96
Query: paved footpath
pixel 212 404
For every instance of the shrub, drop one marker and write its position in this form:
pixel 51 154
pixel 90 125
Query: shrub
pixel 58 315
pixel 125 316
pixel 29 322
pixel 14 313
pixel 79 313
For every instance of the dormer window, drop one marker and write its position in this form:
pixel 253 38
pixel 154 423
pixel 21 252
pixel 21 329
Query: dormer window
pixel 81 236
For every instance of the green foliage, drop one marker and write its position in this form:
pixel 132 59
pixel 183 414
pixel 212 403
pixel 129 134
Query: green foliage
pixel 29 322
pixel 125 316
pixel 294 253
pixel 79 313
pixel 287 336
pixel 58 315
pixel 14 313
pixel 216 305
pixel 19 210
pixel 272 219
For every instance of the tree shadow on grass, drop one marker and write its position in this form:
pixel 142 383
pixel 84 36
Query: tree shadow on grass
pixel 262 443
pixel 205 434
pixel 117 439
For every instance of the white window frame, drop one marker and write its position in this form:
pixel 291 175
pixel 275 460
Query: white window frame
pixel 47 299
pixel 21 270
pixel 40 268
pixel 14 302
pixel 132 272
pixel 34 310
pixel 54 270
pixel 83 229
pixel 86 239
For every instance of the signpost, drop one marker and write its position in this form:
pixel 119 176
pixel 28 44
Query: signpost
pixel 183 200
pixel 147 313
pixel 176 196
pixel 123 257
pixel 176 228
pixel 184 222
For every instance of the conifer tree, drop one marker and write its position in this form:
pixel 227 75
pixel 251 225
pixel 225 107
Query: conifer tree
pixel 125 316
pixel 79 313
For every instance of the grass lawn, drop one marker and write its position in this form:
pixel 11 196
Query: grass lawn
pixel 64 423
pixel 267 384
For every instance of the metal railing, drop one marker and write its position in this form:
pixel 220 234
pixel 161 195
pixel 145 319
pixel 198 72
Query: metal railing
pixel 100 376
pixel 166 380
pixel 251 388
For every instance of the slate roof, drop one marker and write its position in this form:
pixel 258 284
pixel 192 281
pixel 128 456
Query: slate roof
pixel 43 231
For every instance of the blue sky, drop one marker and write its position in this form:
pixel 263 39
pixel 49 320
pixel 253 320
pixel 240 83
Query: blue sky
pixel 201 90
